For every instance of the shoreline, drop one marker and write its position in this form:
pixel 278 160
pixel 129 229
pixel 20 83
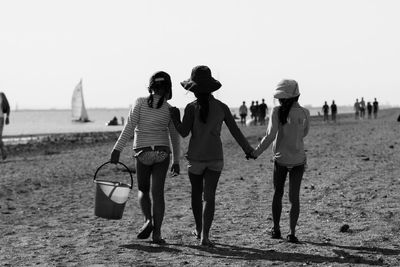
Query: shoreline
pixel 97 136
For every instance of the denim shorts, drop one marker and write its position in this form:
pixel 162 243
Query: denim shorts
pixel 198 167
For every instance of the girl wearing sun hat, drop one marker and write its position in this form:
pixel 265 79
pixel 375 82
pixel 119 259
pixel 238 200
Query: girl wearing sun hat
pixel 203 118
pixel 289 123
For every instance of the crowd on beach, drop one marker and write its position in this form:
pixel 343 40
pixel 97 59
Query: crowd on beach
pixel 359 110
pixel 258 112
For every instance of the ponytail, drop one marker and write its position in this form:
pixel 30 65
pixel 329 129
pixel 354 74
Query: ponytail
pixel 150 101
pixel 284 109
pixel 203 101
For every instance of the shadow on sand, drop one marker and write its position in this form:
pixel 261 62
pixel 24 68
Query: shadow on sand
pixel 247 253
pixel 152 248
pixel 375 250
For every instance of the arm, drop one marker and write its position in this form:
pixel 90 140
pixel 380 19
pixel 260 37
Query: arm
pixel 185 126
pixel 235 131
pixel 175 141
pixel 129 128
pixel 270 135
pixel 307 126
pixel 6 108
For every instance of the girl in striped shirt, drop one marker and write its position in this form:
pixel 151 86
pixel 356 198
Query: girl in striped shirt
pixel 152 130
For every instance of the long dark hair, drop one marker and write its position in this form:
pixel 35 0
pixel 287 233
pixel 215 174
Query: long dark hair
pixel 203 101
pixel 284 109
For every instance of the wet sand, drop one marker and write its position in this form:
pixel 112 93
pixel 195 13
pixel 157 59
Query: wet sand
pixel 353 177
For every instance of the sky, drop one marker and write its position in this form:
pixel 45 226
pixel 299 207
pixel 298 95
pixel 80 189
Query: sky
pixel 335 49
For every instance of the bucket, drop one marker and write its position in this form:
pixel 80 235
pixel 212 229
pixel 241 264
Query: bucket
pixel 111 196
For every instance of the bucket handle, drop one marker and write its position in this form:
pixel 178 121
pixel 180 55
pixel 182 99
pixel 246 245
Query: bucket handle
pixel 108 162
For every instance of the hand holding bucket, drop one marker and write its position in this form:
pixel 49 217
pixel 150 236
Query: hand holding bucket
pixel 111 196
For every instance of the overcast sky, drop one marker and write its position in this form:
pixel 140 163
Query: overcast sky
pixel 338 49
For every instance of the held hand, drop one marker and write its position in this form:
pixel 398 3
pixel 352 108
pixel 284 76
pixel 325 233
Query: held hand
pixel 250 155
pixel 7 120
pixel 114 156
pixel 175 113
pixel 175 169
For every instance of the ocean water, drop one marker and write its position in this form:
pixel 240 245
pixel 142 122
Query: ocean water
pixel 35 122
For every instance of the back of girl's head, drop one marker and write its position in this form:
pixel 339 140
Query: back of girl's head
pixel 284 109
pixel 203 102
pixel 160 82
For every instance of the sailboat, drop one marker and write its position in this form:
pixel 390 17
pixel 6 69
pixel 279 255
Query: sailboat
pixel 79 112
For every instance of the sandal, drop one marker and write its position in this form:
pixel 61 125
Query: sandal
pixel 276 234
pixel 292 239
pixel 196 234
pixel 145 231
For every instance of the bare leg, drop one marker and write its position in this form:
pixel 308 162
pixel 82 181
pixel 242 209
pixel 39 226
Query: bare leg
pixel 210 186
pixel 159 174
pixel 295 177
pixel 143 173
pixel 280 173
pixel 197 201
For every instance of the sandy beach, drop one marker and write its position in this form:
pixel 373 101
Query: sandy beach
pixel 353 177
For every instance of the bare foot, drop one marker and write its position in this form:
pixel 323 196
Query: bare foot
pixel 206 243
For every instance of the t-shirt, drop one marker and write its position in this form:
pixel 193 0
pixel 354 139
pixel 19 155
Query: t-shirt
pixel 288 144
pixel 205 142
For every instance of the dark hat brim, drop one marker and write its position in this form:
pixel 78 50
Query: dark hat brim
pixel 209 86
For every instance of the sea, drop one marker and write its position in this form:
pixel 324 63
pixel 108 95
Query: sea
pixel 54 121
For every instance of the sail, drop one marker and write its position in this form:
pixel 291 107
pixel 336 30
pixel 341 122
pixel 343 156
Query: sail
pixel 78 108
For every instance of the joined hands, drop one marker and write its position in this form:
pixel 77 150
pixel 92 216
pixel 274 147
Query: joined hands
pixel 250 155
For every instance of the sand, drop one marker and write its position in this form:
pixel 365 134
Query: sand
pixel 353 177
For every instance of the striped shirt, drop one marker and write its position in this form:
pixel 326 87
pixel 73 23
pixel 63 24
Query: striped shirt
pixel 150 127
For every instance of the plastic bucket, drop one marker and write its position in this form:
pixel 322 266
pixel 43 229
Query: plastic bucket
pixel 111 196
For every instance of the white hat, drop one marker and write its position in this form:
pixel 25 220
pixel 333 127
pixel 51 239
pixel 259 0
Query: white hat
pixel 286 89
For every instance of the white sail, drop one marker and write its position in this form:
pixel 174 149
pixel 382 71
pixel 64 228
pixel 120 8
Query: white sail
pixel 79 111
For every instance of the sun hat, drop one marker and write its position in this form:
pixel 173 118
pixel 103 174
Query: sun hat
pixel 286 89
pixel 201 81
pixel 161 79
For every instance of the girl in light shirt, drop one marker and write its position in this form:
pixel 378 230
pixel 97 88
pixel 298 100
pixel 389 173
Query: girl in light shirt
pixel 289 124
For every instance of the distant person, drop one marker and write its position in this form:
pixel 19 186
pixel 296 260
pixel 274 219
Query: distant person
pixel 113 122
pixel 263 109
pixel 150 125
pixel 369 110
pixel 253 111
pixel 333 111
pixel 325 110
pixel 257 112
pixel 375 108
pixel 357 109
pixel 362 108
pixel 203 119
pixel 4 118
pixel 288 124
pixel 122 120
pixel 243 113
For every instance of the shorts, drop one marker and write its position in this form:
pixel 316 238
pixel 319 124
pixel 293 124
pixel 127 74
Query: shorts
pixel 199 167
pixel 149 156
